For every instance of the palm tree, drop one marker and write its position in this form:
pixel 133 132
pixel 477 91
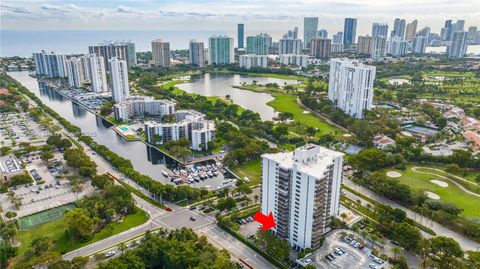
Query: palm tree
pixel 396 250
pixel 343 216
pixel 122 247
pixel 374 238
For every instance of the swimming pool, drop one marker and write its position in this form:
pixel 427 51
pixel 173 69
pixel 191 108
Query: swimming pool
pixel 123 129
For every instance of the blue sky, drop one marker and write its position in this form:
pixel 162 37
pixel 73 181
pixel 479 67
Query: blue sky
pixel 259 16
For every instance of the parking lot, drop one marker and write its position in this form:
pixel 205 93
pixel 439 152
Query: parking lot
pixel 51 193
pixel 343 252
pixel 21 128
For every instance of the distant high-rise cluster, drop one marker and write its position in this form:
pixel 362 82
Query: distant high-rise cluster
pixel 289 43
pixel 321 48
pixel 121 50
pixel 350 86
pixel 87 71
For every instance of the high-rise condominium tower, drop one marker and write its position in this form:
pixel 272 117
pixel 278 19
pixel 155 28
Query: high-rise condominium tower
pixel 399 28
pixel 121 50
pixel 119 79
pixel 322 33
pixel 379 29
pixel 321 48
pixel 220 50
pixel 87 71
pixel 351 86
pixel 258 44
pixel 310 27
pixel 458 48
pixel 349 31
pixel 240 35
pixel 411 30
pixel 161 53
pixel 302 191
pixel 196 53
pixel 50 64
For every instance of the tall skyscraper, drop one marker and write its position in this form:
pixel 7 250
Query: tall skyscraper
pixel 322 33
pixel 220 50
pixel 75 72
pixel 411 30
pixel 398 47
pixel 292 34
pixel 240 35
pixel 350 86
pixel 321 48
pixel 289 46
pixel 258 44
pixel 472 31
pixel 121 50
pixel 50 64
pixel 446 30
pixel 161 53
pixel 364 43
pixel 419 44
pixel 378 49
pixel 95 72
pixel 310 27
pixel 302 191
pixel 458 48
pixel 87 71
pixel 399 28
pixel 379 29
pixel 196 53
pixel 119 79
pixel 349 31
pixel 337 38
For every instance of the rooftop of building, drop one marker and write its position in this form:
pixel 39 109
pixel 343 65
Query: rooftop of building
pixel 309 159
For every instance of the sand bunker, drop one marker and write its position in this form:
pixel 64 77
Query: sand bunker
pixel 306 112
pixel 393 174
pixel 347 135
pixel 432 195
pixel 439 183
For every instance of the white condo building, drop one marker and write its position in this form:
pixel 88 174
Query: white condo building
pixel 252 60
pixel 143 106
pixel 119 79
pixel 189 124
pixel 75 72
pixel 87 71
pixel 351 86
pixel 50 64
pixel 302 190
pixel 294 59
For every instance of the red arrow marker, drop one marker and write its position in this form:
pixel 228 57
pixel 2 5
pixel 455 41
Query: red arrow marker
pixel 266 221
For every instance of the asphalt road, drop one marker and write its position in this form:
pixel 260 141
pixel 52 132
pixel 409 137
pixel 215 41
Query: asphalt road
pixel 179 217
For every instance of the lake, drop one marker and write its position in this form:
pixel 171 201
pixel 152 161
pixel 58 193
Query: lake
pixel 220 84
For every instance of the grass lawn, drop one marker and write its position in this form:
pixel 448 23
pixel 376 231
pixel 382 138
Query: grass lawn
pixel 56 231
pixel 451 194
pixel 288 103
pixel 251 169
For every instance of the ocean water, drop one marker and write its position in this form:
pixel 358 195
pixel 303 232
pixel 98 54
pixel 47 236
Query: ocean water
pixel 23 43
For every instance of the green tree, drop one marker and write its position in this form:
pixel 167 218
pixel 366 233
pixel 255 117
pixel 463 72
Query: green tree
pixel 101 181
pixel 5 150
pixel 79 223
pixel 40 245
pixel 46 156
pixel 226 204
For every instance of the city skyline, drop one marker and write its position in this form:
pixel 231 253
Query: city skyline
pixel 180 15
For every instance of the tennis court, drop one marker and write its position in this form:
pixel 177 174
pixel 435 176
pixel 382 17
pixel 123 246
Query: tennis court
pixel 39 218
